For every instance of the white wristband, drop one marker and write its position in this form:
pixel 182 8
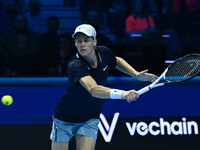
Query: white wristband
pixel 116 94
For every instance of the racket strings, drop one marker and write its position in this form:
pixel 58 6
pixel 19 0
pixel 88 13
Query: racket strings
pixel 183 69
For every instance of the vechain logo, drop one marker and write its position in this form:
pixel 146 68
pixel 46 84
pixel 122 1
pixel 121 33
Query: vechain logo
pixel 107 135
pixel 163 127
pixel 154 128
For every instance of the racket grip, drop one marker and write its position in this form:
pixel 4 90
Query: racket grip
pixel 144 90
pixel 147 88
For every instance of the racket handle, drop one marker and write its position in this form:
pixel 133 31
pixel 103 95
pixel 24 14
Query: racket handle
pixel 144 90
pixel 147 88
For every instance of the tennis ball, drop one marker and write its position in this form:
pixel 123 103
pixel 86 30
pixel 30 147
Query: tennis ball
pixel 7 100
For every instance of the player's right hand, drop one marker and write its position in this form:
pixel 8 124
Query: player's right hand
pixel 130 95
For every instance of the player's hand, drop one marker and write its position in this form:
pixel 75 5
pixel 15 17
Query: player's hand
pixel 144 76
pixel 130 95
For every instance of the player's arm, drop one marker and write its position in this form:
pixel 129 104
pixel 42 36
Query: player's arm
pixel 103 92
pixel 124 67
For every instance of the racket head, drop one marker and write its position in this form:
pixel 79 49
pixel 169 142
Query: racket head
pixel 183 68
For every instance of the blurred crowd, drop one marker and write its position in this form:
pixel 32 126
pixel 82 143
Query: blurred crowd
pixel 26 47
pixel 31 44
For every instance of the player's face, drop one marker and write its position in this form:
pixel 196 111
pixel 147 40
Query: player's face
pixel 85 45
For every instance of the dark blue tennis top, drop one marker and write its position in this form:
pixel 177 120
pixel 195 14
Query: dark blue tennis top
pixel 77 104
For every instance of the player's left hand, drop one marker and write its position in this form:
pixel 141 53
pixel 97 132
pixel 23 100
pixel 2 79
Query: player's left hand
pixel 144 76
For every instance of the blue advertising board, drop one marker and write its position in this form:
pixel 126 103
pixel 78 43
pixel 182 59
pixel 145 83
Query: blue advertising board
pixel 34 101
pixel 163 118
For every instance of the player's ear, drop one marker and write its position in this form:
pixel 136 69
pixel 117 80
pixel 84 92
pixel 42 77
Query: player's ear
pixel 95 41
pixel 75 43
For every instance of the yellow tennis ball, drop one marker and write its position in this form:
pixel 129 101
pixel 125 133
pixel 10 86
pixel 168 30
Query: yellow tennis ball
pixel 7 100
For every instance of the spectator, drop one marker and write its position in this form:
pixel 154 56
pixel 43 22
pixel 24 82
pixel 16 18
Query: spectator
pixel 116 17
pixel 36 18
pixel 90 5
pixel 8 40
pixel 57 63
pixel 139 22
pixel 93 19
pixel 186 17
pixel 7 16
pixel 185 14
pixel 166 25
pixel 21 62
pixel 49 43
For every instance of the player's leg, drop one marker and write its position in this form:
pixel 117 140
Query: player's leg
pixel 86 135
pixel 85 142
pixel 61 134
pixel 59 146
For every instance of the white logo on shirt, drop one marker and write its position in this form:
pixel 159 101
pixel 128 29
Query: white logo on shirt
pixel 105 68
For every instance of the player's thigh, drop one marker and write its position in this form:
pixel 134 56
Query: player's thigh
pixel 85 142
pixel 59 146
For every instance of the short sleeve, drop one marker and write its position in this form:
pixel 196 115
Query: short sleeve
pixel 77 70
pixel 112 58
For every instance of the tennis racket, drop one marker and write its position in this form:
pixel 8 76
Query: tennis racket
pixel 180 70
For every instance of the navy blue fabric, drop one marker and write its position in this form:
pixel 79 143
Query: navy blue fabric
pixel 77 105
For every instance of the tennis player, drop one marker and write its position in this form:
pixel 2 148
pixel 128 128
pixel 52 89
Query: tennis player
pixel 77 112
